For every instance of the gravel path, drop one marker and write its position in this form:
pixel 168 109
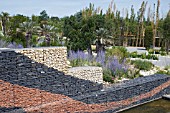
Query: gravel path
pixel 162 62
pixel 138 49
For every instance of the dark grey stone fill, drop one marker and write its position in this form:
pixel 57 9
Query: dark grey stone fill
pixel 126 90
pixel 11 110
pixel 19 69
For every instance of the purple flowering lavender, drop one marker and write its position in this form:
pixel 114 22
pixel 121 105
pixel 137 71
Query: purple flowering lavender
pixel 116 66
pixel 14 45
pixel 101 57
pixel 111 63
pixel 79 55
pixel 79 58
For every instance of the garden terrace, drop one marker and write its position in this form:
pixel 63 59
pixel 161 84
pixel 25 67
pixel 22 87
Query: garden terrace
pixel 27 85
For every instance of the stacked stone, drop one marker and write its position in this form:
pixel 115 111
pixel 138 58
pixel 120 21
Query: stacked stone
pixel 129 89
pixel 55 57
pixel 27 67
pixel 94 74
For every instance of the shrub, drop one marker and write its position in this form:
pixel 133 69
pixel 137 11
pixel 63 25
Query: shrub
pixel 119 52
pixel 142 65
pixel 154 57
pixel 163 53
pixel 167 67
pixel 133 54
pixel 151 51
pixel 157 51
pixel 111 64
pixel 134 73
pixel 107 76
pixel 163 72
pixel 143 56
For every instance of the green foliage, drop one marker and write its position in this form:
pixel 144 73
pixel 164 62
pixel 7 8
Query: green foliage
pixel 167 67
pixel 148 37
pixel 43 16
pixel 163 53
pixel 133 54
pixel 120 52
pixel 151 51
pixel 107 76
pixel 166 33
pixel 142 65
pixel 134 73
pixel 165 71
pixel 143 56
pixel 166 27
pixel 55 43
pixel 34 40
pixel 154 51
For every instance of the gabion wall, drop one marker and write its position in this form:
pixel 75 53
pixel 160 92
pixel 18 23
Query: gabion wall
pixel 94 74
pixel 55 57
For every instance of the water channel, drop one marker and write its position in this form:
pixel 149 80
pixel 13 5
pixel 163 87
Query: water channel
pixel 157 106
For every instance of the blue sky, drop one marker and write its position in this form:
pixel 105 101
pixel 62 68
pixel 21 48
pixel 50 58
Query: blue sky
pixel 63 8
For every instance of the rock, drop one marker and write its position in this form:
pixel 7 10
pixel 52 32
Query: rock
pixel 94 74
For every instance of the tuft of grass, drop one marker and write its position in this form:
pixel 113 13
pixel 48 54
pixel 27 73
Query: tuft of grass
pixel 142 65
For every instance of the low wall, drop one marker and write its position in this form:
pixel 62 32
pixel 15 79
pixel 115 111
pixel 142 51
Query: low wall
pixel 134 92
pixel 94 74
pixel 26 83
pixel 118 97
pixel 29 68
pixel 55 57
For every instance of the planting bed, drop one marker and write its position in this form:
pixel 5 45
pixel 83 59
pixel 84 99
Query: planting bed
pixel 29 86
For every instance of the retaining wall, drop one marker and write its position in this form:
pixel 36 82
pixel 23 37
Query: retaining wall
pixel 34 86
pixel 28 68
pixel 111 100
pixel 134 92
pixel 55 57
pixel 94 74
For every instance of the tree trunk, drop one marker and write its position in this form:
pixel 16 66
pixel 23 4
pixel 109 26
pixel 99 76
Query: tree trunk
pixel 4 29
pixel 137 37
pixel 140 42
pixel 133 42
pixel 98 45
pixel 167 46
pixel 89 49
pixel 159 42
pixel 154 34
pixel 137 42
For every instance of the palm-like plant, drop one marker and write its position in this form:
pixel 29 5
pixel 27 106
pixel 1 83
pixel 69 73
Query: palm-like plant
pixel 102 37
pixel 49 32
pixel 4 18
pixel 27 28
